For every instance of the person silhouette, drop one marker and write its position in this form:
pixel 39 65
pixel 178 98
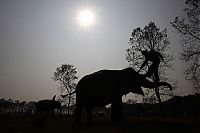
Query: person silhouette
pixel 155 57
pixel 54 98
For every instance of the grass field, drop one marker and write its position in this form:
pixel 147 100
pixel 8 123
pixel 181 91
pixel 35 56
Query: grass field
pixel 56 124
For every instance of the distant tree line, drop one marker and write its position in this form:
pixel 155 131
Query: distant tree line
pixel 176 106
pixel 16 107
pixel 26 108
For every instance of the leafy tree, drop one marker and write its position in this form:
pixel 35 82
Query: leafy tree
pixel 189 28
pixel 65 75
pixel 151 38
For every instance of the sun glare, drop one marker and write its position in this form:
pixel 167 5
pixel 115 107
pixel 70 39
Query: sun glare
pixel 86 18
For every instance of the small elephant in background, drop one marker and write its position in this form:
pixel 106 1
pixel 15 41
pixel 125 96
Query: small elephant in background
pixel 48 106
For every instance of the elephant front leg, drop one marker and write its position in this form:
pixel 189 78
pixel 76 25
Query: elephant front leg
pixel 89 114
pixel 116 110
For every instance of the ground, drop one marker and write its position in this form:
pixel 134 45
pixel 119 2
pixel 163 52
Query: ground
pixel 55 124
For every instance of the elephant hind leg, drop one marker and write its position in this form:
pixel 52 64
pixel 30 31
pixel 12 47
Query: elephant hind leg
pixel 78 113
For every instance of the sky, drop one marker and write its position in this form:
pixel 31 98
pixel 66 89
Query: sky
pixel 37 36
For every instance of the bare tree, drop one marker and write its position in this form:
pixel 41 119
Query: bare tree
pixel 189 28
pixel 65 75
pixel 151 38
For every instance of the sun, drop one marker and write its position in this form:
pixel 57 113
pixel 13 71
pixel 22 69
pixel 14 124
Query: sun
pixel 86 18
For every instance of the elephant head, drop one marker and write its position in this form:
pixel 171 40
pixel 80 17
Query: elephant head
pixel 133 81
pixel 57 105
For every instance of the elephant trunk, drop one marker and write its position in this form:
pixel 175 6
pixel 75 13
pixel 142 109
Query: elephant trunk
pixel 148 84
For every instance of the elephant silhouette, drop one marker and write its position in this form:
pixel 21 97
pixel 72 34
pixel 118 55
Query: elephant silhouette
pixel 107 87
pixel 47 106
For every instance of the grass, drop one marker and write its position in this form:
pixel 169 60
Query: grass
pixel 56 124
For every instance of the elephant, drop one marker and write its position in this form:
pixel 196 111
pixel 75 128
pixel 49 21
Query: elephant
pixel 107 87
pixel 47 106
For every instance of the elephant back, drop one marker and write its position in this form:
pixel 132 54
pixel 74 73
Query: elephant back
pixel 100 84
pixel 45 105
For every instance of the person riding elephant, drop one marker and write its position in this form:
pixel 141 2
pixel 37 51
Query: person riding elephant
pixel 155 57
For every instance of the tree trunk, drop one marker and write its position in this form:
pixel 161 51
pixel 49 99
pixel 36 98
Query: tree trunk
pixel 68 105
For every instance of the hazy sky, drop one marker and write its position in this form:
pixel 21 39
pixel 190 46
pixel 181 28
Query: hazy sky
pixel 36 36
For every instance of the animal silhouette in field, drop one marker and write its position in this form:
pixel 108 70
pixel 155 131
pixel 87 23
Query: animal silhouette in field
pixel 48 106
pixel 108 86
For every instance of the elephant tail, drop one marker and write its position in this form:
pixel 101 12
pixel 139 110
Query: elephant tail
pixel 165 84
pixel 63 96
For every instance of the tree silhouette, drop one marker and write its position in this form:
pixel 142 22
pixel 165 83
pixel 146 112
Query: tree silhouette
pixel 150 38
pixel 65 75
pixel 189 28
